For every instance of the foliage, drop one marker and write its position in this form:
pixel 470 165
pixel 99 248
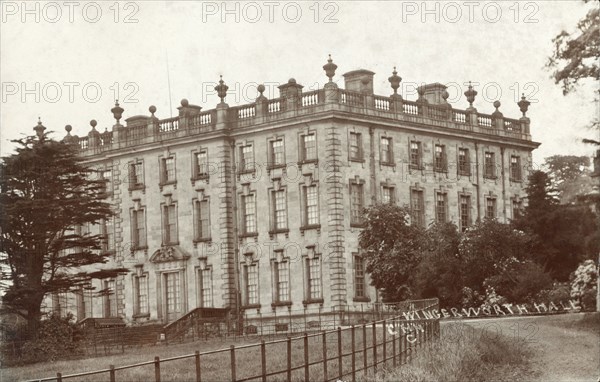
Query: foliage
pixel 560 291
pixel 45 192
pixel 564 234
pixel 392 249
pixel 576 54
pixel 56 339
pixel 438 273
pixel 570 176
pixel 518 281
pixel 485 246
pixel 584 284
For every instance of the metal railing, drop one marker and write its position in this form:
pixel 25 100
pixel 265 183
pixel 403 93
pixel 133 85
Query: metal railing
pixel 324 355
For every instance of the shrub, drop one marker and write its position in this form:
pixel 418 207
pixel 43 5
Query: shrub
pixel 519 281
pixel 55 340
pixel 584 282
pixel 558 292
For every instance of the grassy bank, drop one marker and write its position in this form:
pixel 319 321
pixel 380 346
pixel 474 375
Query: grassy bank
pixel 477 355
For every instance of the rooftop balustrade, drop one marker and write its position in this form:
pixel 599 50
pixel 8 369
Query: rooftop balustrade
pixel 295 103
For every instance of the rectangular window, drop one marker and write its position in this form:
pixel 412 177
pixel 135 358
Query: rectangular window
pixel 202 213
pixel 110 298
pixel 515 168
pixel 205 287
pixel 249 211
pixel 311 205
pixel 140 285
pixel 355 146
pixel 282 281
pixel 168 170
pixel 357 203
pixel 251 278
pixel 464 165
pixel 277 152
pixel 60 304
pixel 490 208
pixel 441 205
pixel 84 302
pixel 170 224
pixel 201 164
pixel 359 277
pixel 440 158
pixel 387 194
pixel 490 165
pixel 314 278
pixel 279 210
pixel 107 230
pixel 136 175
pixel 386 151
pixel 309 147
pixel 417 206
pixel 246 158
pixel 465 212
pixel 138 228
pixel 516 209
pixel 106 177
pixel 415 155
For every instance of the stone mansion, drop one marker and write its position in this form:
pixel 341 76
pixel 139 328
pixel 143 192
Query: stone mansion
pixel 257 208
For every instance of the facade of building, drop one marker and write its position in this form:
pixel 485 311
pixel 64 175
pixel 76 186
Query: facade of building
pixel 257 208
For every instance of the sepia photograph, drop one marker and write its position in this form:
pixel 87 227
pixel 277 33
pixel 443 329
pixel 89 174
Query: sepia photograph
pixel 304 190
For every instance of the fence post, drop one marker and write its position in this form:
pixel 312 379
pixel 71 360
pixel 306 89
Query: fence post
pixel 394 348
pixel 324 356
pixel 365 363
pixel 374 347
pixel 306 367
pixel 112 373
pixel 157 369
pixel 384 344
pixel 289 358
pixel 58 377
pixel 339 338
pixel 232 352
pixel 353 357
pixel 401 348
pixel 263 360
pixel 198 370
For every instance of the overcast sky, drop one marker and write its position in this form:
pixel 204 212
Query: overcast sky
pixel 67 62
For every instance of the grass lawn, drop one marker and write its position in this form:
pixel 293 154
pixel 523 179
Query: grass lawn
pixel 217 367
pixel 479 356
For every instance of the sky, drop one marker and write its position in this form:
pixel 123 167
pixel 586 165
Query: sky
pixel 66 62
